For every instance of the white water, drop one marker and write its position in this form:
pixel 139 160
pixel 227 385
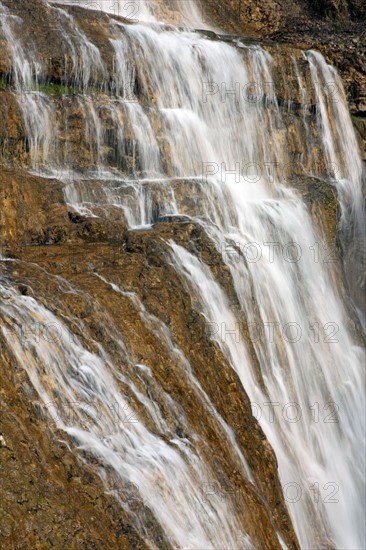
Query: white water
pixel 68 377
pixel 304 373
pixel 342 152
pixel 187 80
pixel 340 144
pixel 36 110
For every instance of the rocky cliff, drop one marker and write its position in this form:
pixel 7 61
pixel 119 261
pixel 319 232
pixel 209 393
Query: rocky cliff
pixel 96 275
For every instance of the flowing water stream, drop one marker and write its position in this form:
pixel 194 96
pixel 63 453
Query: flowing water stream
pixel 190 127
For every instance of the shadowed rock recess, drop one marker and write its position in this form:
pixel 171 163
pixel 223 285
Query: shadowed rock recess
pixel 181 275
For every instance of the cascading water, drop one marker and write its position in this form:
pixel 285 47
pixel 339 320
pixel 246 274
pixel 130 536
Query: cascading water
pixel 341 149
pixel 36 110
pixel 133 453
pixel 168 120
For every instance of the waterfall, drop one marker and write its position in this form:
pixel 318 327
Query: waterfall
pixel 163 122
pixel 296 384
pixel 36 110
pixel 111 431
pixel 341 149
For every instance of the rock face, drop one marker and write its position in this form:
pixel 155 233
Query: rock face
pixel 96 276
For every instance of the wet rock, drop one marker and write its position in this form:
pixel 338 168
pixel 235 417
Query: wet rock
pixel 321 197
pixel 142 266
